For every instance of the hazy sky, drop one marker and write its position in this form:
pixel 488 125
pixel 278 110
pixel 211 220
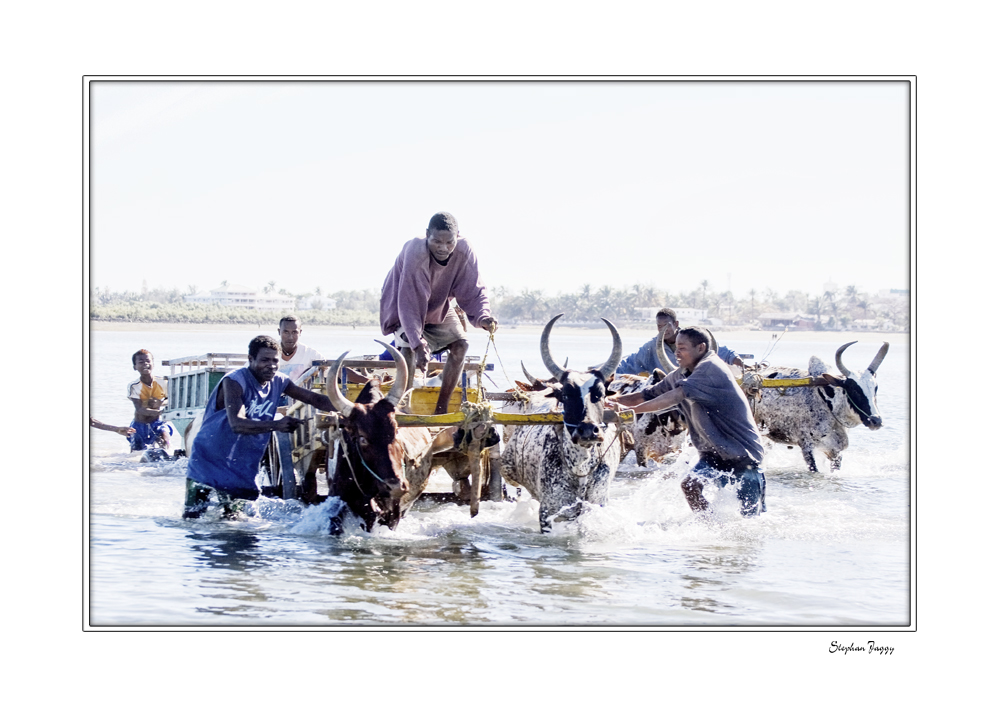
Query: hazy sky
pixel 748 184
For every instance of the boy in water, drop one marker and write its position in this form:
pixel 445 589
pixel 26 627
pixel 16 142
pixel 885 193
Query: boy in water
pixel 148 394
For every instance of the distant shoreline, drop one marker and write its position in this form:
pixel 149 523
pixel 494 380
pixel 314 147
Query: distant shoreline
pixel 723 332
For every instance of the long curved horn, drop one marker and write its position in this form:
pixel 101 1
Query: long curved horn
pixel 616 352
pixel 661 353
pixel 840 364
pixel 399 385
pixel 340 403
pixel 554 368
pixel 877 361
pixel 712 343
pixel 531 378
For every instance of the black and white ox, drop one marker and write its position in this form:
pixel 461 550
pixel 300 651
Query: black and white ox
pixel 377 468
pixel 817 418
pixel 657 436
pixel 564 466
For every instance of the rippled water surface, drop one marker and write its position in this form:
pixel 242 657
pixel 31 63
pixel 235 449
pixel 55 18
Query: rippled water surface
pixel 832 550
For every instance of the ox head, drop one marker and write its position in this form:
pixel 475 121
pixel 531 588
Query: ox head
pixel 860 387
pixel 372 459
pixel 581 393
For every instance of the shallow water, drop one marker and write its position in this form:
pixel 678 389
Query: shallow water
pixel 832 550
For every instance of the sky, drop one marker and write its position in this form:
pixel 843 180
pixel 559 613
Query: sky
pixel 748 184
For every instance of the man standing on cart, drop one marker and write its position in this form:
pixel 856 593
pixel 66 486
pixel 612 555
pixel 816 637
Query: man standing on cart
pixel 415 304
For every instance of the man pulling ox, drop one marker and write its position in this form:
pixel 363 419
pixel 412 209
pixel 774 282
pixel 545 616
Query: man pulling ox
pixel 415 301
pixel 720 422
pixel 239 418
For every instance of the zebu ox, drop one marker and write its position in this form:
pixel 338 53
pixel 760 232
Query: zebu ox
pixel 657 436
pixel 563 466
pixel 816 418
pixel 379 469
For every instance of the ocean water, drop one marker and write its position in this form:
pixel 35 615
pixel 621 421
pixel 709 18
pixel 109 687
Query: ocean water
pixel 833 550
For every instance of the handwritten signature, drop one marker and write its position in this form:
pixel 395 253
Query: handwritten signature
pixel 869 648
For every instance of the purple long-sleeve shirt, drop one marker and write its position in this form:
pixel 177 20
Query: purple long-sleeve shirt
pixel 418 288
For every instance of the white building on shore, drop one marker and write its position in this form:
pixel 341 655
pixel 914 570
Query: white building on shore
pixel 244 297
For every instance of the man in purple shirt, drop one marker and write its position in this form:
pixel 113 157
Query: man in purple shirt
pixel 416 295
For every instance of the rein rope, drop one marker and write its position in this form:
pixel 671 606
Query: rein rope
pixel 340 444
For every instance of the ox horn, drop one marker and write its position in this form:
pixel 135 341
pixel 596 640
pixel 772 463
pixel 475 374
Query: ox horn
pixel 877 361
pixel 713 345
pixel 399 385
pixel 554 368
pixel 661 354
pixel 616 352
pixel 340 403
pixel 840 364
pixel 531 378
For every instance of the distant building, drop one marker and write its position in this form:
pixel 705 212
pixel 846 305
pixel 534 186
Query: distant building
pixel 685 315
pixel 780 320
pixel 244 297
pixel 689 316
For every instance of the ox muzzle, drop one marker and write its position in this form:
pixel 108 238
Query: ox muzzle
pixel 585 434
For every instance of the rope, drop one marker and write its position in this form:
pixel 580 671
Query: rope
pixel 482 364
pixel 475 414
pixel 340 443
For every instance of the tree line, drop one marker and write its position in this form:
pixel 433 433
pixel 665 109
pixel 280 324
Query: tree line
pixel 845 308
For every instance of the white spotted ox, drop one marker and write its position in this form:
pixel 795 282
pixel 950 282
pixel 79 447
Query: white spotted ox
pixel 815 418
pixel 564 466
pixel 656 436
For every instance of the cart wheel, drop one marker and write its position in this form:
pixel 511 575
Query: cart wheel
pixel 277 465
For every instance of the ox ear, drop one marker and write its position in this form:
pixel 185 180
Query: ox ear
pixel 369 394
pixel 833 380
pixel 658 375
pixel 555 391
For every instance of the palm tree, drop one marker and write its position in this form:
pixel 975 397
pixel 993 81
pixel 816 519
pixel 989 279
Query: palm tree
pixel 752 293
pixel 704 294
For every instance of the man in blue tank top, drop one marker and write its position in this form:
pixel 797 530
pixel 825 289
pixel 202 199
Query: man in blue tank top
pixel 239 418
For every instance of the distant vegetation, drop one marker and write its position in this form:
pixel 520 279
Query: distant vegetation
pixel 846 308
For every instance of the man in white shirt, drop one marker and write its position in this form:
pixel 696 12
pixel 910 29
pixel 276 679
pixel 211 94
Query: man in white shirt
pixel 294 358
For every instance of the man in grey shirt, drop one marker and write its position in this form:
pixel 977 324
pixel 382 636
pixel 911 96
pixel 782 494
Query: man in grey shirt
pixel 719 421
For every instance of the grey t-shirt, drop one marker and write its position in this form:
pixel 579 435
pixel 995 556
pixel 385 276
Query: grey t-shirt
pixel 718 414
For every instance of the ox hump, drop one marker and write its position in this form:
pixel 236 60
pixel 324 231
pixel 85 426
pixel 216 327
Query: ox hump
pixel 817 367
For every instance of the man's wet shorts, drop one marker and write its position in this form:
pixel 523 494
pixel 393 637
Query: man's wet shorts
pixel 751 486
pixel 147 433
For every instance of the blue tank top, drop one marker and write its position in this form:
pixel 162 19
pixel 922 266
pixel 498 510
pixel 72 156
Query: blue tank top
pixel 223 459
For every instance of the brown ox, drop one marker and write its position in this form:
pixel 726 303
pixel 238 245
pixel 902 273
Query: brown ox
pixel 378 469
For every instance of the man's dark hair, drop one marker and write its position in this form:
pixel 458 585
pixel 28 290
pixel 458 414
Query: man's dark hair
pixel 696 335
pixel 290 318
pixel 667 312
pixel 443 221
pixel 139 352
pixel 262 342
